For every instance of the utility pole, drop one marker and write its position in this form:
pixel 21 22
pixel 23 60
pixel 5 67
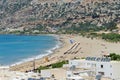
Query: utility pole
pixel 33 64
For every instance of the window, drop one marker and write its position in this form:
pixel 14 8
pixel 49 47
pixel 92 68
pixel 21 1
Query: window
pixel 69 75
pixel 102 73
pixel 76 73
pixel 101 66
pixel 95 65
pixel 111 66
pixel 111 74
pixel 88 63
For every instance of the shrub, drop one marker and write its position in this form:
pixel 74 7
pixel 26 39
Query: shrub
pixel 59 64
pixel 115 56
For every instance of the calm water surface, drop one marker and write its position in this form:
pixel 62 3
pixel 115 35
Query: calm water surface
pixel 15 48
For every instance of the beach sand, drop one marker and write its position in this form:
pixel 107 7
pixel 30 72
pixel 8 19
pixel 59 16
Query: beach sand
pixel 80 48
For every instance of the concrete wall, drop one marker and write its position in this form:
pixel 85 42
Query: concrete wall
pixel 74 62
pixel 115 70
pixel 110 69
pixel 106 69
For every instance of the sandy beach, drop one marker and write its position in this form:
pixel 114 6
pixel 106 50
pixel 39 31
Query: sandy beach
pixel 80 48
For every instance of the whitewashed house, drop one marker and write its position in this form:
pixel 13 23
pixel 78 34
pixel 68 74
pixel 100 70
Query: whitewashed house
pixel 46 74
pixel 101 65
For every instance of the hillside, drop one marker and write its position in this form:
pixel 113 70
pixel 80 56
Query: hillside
pixel 61 16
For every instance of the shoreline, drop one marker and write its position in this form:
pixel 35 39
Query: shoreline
pixel 39 56
pixel 50 52
pixel 82 47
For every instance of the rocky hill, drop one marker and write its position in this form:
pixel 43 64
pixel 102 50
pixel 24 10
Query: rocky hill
pixel 45 16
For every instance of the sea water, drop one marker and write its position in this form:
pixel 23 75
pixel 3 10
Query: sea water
pixel 20 48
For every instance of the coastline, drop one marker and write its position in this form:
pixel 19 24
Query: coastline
pixel 81 48
pixel 40 57
pixel 38 54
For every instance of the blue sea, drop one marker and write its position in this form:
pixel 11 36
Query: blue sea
pixel 20 48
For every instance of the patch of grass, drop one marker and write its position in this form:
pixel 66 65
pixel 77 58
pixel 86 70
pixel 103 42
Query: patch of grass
pixel 54 65
pixel 59 64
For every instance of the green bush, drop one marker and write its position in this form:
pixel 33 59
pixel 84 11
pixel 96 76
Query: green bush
pixel 115 56
pixel 54 65
pixel 111 37
pixel 59 64
pixel 42 68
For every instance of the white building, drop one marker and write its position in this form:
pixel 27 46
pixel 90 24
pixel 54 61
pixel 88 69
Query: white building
pixel 104 66
pixel 46 74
